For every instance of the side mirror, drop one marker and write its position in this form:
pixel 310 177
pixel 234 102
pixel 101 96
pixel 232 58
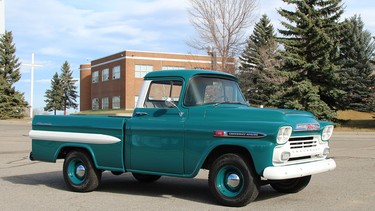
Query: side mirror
pixel 170 104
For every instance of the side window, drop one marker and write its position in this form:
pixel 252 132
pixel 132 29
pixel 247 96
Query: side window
pixel 160 91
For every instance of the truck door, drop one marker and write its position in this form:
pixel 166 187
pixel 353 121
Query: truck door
pixel 157 132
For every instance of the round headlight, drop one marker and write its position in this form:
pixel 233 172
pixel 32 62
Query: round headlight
pixel 327 132
pixel 284 134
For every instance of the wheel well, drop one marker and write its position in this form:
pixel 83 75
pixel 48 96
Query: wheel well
pixel 224 149
pixel 66 150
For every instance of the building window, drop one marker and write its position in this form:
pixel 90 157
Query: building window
pixel 105 103
pixel 116 102
pixel 95 104
pixel 105 74
pixel 172 68
pixel 95 77
pixel 142 70
pixel 116 73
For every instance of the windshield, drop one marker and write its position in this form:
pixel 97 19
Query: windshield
pixel 208 90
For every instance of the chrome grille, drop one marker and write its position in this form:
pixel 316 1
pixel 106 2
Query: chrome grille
pixel 302 142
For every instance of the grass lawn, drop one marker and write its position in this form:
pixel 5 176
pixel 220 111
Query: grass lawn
pixel 355 121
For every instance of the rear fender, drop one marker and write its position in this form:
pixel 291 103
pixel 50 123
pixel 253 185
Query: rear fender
pixel 103 159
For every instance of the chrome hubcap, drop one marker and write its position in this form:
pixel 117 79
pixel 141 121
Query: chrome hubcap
pixel 80 171
pixel 233 180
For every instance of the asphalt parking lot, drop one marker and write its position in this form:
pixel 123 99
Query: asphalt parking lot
pixel 32 185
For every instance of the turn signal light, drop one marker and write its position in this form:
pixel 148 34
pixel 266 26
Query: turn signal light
pixel 285 156
pixel 219 133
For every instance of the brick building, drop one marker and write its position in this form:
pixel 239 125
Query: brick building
pixel 113 82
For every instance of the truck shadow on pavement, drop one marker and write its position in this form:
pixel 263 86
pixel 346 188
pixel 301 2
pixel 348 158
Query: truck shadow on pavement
pixel 196 189
pixel 170 187
pixel 166 187
pixel 50 179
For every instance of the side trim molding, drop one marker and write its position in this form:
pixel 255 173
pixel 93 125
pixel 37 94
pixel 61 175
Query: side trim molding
pixel 87 138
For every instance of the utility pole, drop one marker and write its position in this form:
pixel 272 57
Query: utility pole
pixel 212 53
pixel 32 65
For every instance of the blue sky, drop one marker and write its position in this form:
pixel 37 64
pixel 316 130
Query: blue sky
pixel 81 30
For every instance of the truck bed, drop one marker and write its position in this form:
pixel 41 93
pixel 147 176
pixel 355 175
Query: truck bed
pixel 101 136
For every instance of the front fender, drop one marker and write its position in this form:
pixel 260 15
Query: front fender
pixel 260 150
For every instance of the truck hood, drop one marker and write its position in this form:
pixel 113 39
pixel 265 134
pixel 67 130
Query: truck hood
pixel 252 114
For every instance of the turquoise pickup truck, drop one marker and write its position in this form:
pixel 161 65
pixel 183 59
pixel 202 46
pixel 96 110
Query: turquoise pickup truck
pixel 185 121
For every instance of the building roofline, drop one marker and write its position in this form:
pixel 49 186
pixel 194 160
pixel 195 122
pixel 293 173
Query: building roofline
pixel 155 52
pixel 123 55
pixel 169 53
pixel 109 61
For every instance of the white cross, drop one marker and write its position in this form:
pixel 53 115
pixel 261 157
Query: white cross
pixel 32 65
pixel 2 17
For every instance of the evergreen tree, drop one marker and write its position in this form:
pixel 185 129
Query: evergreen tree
pixel 311 41
pixel 12 102
pixel 259 77
pixel 68 88
pixel 54 96
pixel 357 79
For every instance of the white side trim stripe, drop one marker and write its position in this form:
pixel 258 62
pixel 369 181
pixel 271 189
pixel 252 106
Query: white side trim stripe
pixel 87 138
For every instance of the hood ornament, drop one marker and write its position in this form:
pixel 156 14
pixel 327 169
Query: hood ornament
pixel 307 127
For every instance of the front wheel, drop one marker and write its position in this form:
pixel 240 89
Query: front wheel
pixel 232 182
pixel 80 173
pixel 291 185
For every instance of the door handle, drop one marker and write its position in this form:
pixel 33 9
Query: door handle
pixel 141 113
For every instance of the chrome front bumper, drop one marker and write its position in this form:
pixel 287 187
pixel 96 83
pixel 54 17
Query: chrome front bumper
pixel 298 170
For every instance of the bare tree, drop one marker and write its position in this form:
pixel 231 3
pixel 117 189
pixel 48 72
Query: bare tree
pixel 221 24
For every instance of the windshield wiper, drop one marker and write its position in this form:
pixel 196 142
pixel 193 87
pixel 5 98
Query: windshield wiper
pixel 230 102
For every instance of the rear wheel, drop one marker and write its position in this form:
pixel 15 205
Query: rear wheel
pixel 80 173
pixel 232 182
pixel 291 185
pixel 145 178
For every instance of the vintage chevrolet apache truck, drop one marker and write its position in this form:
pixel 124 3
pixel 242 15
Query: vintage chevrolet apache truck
pixel 185 121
